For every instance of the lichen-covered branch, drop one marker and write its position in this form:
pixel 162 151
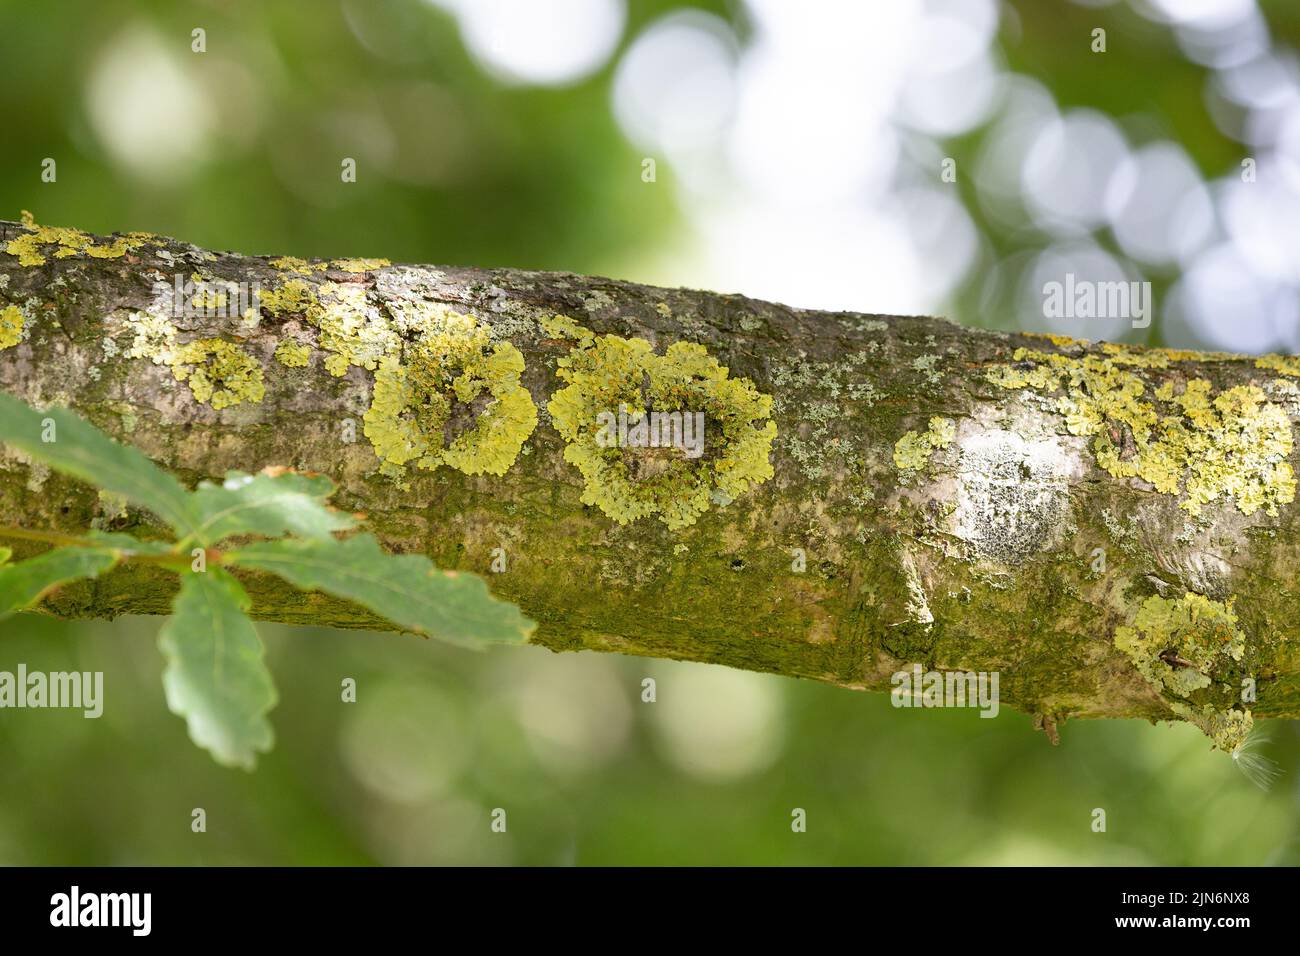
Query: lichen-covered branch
pixel 699 476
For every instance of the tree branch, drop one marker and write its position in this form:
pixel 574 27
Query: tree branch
pixel 1065 514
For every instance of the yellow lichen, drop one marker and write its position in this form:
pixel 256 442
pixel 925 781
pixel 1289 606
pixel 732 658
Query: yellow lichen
pixel 11 326
pixel 299 266
pixel 360 265
pixel 208 298
pixel 1282 364
pixel 31 246
pixel 1058 340
pixel 350 329
pixel 433 366
pixel 912 451
pixel 1233 445
pixel 608 373
pixel 445 375
pixel 219 373
pixel 563 327
pixel 292 354
pixel 294 296
pixel 1188 355
pixel 1175 644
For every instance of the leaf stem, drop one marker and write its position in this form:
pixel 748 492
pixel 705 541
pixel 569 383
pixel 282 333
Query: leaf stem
pixel 175 558
pixel 49 537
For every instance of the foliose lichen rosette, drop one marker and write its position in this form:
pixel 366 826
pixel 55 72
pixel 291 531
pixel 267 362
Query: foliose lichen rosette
pixel 452 372
pixel 606 372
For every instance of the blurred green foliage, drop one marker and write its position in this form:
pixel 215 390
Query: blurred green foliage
pixel 456 168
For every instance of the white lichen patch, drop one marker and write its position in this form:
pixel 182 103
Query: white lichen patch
pixel 153 337
pixel 1012 493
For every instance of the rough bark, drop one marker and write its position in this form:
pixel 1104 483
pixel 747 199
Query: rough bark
pixel 969 543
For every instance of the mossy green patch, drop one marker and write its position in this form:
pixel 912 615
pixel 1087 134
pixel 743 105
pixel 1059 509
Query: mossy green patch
pixel 606 373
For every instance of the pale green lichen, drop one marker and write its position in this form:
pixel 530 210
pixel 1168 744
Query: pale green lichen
pixel 112 506
pixel 1232 445
pixel 1176 644
pixel 912 451
pixel 64 243
pixel 605 373
pixel 451 368
pixel 1228 728
pixel 823 443
pixel 154 337
pixel 925 365
pixel 292 354
pixel 219 373
pixel 11 326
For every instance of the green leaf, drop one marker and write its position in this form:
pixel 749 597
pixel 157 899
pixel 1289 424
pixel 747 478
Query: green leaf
pixel 215 677
pixel 405 589
pixel 81 450
pixel 126 544
pixel 26 582
pixel 267 505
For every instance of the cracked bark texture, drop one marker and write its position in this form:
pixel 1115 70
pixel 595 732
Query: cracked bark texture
pixel 983 557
